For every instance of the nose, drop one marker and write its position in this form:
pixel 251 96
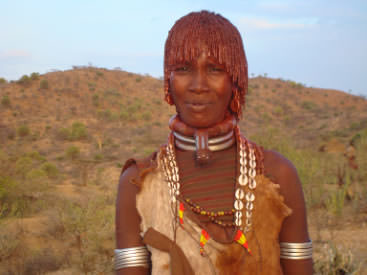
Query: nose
pixel 199 82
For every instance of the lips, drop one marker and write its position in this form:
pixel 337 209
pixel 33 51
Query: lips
pixel 197 106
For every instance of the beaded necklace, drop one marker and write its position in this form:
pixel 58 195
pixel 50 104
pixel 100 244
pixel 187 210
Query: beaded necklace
pixel 244 195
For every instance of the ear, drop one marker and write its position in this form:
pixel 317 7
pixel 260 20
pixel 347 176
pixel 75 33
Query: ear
pixel 167 93
pixel 235 104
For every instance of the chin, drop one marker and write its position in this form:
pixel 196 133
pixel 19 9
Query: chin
pixel 198 122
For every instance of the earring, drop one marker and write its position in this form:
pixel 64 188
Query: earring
pixel 167 95
pixel 235 104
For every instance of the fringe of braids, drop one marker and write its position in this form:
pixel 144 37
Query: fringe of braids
pixel 207 31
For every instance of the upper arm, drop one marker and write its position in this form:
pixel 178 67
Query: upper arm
pixel 294 228
pixel 127 217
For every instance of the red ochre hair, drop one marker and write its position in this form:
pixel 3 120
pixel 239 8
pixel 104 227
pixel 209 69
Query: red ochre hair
pixel 211 32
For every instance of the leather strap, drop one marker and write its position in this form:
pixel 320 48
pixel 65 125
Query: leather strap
pixel 179 263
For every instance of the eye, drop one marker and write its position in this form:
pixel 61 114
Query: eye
pixel 182 68
pixel 215 69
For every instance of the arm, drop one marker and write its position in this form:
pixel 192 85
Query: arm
pixel 294 228
pixel 127 219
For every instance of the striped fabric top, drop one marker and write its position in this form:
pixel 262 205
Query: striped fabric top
pixel 211 186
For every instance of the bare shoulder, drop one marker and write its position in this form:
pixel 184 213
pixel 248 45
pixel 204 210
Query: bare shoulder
pixel 127 217
pixel 128 174
pixel 281 171
pixel 279 168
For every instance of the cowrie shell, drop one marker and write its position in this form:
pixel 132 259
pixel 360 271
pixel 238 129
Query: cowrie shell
pixel 249 205
pixel 239 194
pixel 250 196
pixel 238 205
pixel 238 215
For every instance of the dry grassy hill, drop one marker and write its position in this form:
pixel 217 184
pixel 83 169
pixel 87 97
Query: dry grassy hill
pixel 65 135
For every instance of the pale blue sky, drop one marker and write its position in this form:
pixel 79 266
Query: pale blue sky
pixel 316 42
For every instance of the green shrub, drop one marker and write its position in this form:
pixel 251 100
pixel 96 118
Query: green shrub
pixel 308 105
pixel 2 80
pixel 44 84
pixel 99 73
pixel 50 169
pixel 36 175
pixel 35 76
pixel 72 152
pixel 95 100
pixel 77 131
pixel 9 242
pixel 112 92
pixel 7 185
pixel 23 131
pixel 138 79
pixel 23 165
pixel 64 133
pixel 5 101
pixel 36 156
pixel 124 115
pixel 98 157
pixel 24 80
pixel 91 86
pixel 89 225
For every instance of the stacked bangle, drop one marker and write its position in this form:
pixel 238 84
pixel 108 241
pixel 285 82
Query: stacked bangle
pixel 132 257
pixel 296 251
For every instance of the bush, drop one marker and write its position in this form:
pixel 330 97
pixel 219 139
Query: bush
pixel 78 131
pixel 2 80
pixel 24 80
pixel 95 99
pixel 5 101
pixel 35 76
pixel 124 115
pixel 22 184
pixel 64 133
pixel 72 152
pixel 91 86
pixel 50 169
pixel 44 84
pixel 9 242
pixel 7 197
pixel 308 105
pixel 23 131
pixel 98 157
pixel 89 226
pixel 99 73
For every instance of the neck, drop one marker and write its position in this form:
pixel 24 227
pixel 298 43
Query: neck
pixel 203 140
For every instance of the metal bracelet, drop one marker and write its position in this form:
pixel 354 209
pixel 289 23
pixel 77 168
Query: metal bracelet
pixel 132 257
pixel 295 251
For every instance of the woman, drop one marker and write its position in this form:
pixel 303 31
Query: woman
pixel 210 201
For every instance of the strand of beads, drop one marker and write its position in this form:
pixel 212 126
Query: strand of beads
pixel 250 197
pixel 245 178
pixel 212 215
pixel 171 172
pixel 242 182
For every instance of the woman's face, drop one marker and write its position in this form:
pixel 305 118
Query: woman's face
pixel 201 91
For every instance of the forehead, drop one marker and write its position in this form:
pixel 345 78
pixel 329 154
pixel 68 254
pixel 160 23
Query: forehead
pixel 202 57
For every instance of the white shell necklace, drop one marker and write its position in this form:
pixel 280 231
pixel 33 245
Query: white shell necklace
pixel 244 194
